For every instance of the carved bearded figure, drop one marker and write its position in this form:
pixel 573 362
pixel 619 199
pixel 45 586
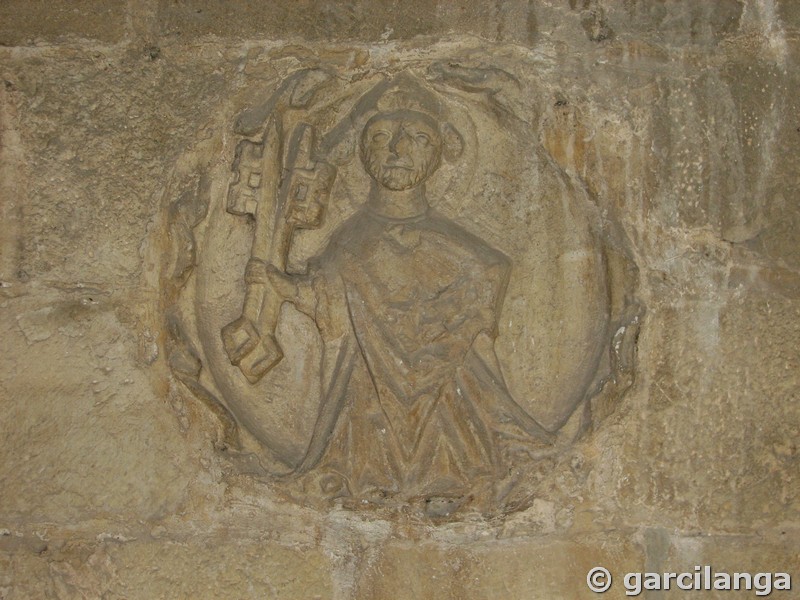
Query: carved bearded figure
pixel 414 401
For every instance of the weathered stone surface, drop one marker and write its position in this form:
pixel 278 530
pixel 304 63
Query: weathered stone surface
pixel 83 433
pixel 352 20
pixel 24 23
pixel 114 566
pixel 726 554
pixel 741 447
pixel 547 568
pixel 133 461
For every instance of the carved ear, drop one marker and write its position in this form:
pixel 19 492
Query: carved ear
pixel 452 143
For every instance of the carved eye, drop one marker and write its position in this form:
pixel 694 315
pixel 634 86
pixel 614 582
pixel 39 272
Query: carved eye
pixel 381 137
pixel 423 139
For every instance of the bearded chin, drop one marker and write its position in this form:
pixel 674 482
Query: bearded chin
pixel 400 179
pixel 397 179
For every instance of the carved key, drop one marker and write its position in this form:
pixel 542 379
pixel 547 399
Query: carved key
pixel 298 202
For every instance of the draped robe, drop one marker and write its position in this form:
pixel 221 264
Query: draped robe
pixel 414 401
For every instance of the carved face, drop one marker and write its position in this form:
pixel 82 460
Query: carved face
pixel 401 149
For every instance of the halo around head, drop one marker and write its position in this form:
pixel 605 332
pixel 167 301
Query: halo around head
pixel 404 92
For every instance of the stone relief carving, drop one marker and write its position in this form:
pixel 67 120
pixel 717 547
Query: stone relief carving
pixel 397 298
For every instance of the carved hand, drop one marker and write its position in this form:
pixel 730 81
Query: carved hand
pixel 296 289
pixel 283 285
pixel 286 286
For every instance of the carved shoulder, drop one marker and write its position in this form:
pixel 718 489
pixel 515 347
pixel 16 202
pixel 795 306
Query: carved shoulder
pixel 490 257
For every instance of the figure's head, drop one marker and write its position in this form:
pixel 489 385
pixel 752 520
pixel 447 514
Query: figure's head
pixel 401 149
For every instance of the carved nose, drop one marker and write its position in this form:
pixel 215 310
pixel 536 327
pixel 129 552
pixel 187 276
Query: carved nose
pixel 398 143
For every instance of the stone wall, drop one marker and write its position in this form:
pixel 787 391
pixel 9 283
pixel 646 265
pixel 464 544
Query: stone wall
pixel 679 119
